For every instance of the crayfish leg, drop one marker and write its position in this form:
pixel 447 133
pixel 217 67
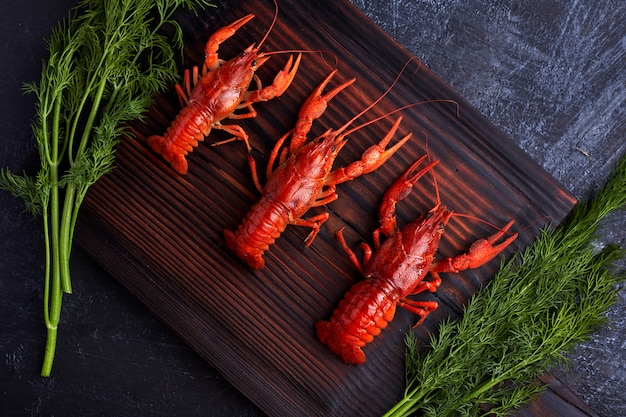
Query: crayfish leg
pixel 183 90
pixel 421 308
pixel 315 223
pixel 235 130
pixel 348 251
pixel 431 285
pixel 325 197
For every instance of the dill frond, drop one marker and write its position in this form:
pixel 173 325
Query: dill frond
pixel 107 60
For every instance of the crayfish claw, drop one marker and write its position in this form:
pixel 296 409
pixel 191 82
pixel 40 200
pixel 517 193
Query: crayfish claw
pixel 313 108
pixel 281 82
pixel 373 157
pixel 210 51
pixel 480 252
pixel 398 191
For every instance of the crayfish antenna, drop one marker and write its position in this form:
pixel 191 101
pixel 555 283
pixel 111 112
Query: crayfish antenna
pixel 433 174
pixel 269 30
pixel 366 109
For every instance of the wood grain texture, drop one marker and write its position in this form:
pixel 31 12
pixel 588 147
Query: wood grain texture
pixel 556 401
pixel 161 234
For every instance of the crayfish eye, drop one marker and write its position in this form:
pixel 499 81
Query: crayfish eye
pixel 254 63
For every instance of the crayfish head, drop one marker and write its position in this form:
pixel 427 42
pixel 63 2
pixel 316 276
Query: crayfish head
pixel 331 141
pixel 439 214
pixel 316 155
pixel 237 73
pixel 422 235
pixel 261 59
pixel 249 60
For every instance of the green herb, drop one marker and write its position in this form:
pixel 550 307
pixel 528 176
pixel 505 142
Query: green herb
pixel 106 63
pixel 535 310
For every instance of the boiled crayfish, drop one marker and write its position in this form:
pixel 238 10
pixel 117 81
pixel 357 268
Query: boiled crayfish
pixel 217 93
pixel 396 270
pixel 303 179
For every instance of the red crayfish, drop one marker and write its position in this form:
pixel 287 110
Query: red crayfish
pixel 304 178
pixel 396 270
pixel 221 89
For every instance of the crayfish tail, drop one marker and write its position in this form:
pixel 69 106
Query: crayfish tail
pixel 350 351
pixel 180 165
pixel 251 257
pixel 322 328
pixel 156 143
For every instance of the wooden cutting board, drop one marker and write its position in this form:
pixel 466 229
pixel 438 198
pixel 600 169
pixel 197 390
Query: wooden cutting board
pixel 161 234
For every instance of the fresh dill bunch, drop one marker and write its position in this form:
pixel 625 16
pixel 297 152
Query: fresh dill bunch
pixel 537 308
pixel 107 61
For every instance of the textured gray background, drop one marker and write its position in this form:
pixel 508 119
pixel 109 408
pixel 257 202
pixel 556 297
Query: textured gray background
pixel 550 74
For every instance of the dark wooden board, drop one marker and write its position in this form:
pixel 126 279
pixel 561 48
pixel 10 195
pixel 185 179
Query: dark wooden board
pixel 556 401
pixel 160 234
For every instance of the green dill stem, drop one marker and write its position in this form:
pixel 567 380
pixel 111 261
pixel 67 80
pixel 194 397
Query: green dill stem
pixel 47 266
pixel 72 203
pixel 406 406
pixel 412 401
pixel 88 130
pixel 92 115
pixel 65 239
pixel 53 294
pixel 52 322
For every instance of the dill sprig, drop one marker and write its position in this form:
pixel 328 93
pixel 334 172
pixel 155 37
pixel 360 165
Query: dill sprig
pixel 538 307
pixel 107 61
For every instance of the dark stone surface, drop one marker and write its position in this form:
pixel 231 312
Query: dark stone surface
pixel 549 74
